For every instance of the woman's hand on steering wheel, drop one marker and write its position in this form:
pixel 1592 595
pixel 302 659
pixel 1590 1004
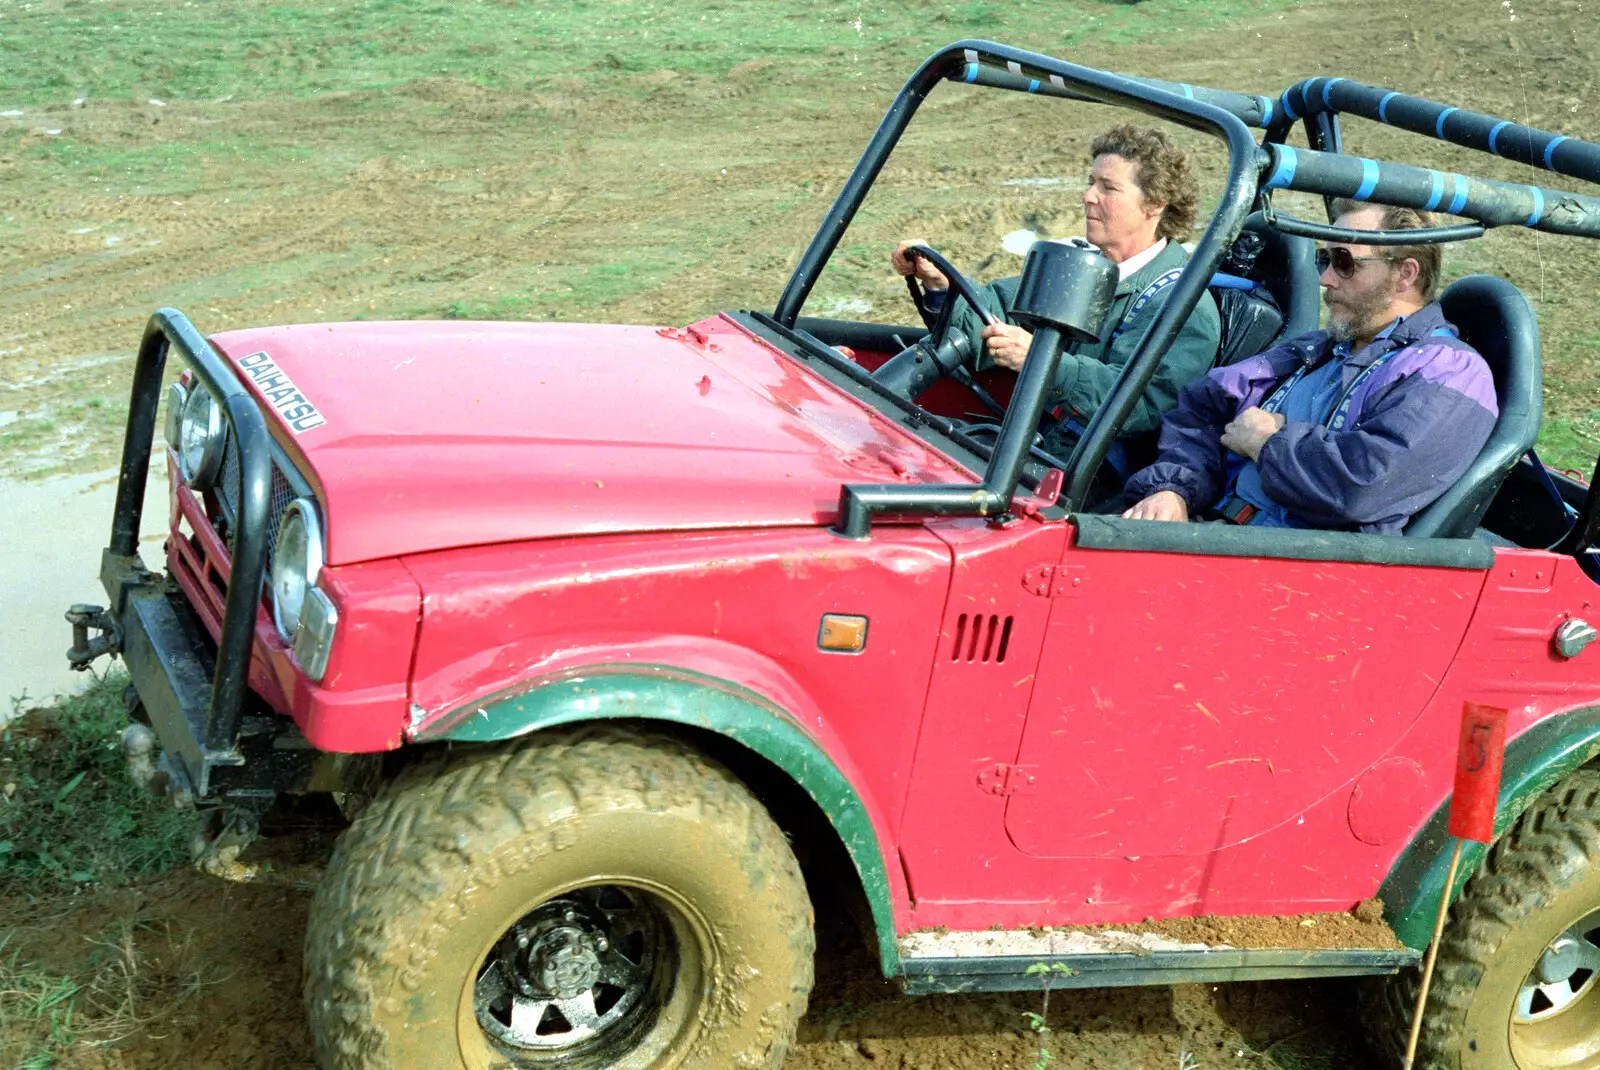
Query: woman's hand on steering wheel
pixel 908 264
pixel 1007 344
pixel 926 260
pixel 943 351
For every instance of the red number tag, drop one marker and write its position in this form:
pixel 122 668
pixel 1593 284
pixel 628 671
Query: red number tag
pixel 1478 762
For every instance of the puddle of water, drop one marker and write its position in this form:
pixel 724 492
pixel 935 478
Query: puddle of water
pixel 64 369
pixel 51 535
pixel 1018 242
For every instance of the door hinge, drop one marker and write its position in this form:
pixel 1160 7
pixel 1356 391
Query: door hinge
pixel 1003 779
pixel 1053 581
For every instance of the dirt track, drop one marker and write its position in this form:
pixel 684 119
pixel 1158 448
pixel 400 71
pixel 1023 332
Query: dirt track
pixel 222 965
pixel 521 204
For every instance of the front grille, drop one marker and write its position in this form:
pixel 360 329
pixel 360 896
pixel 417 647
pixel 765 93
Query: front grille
pixel 227 490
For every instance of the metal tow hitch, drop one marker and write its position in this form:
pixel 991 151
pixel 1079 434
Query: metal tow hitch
pixel 84 649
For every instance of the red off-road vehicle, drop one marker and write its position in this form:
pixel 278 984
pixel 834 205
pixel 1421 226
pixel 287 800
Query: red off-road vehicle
pixel 621 643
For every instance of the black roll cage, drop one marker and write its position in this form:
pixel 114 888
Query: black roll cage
pixel 1254 171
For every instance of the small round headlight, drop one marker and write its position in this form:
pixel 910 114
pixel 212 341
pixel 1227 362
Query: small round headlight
pixel 200 438
pixel 296 563
pixel 177 394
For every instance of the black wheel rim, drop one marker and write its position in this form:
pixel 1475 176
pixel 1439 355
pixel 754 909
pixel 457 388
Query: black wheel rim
pixel 579 977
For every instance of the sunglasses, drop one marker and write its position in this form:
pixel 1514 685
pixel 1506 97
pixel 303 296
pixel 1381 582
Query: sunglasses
pixel 1343 261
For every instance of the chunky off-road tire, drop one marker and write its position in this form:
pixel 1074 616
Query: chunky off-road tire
pixel 1540 881
pixel 549 841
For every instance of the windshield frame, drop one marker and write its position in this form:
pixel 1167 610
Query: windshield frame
pixel 987 63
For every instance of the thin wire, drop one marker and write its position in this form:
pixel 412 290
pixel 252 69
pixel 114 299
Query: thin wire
pixel 1527 123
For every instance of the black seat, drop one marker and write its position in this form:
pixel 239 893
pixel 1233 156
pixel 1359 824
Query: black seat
pixel 1287 267
pixel 1496 320
pixel 1285 304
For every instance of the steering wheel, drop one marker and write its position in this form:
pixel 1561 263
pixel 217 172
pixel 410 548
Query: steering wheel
pixel 942 352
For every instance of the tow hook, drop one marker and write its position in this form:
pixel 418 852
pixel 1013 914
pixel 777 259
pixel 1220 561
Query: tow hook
pixel 84 649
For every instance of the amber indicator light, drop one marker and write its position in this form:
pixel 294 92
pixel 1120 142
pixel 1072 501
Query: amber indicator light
pixel 842 633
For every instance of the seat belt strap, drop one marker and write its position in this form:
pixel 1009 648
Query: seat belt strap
pixel 1550 486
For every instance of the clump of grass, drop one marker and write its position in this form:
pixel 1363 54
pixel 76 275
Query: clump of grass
pixel 36 1016
pixel 69 815
pixel 135 975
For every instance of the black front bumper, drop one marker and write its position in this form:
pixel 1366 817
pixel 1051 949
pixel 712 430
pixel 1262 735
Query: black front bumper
pixel 172 663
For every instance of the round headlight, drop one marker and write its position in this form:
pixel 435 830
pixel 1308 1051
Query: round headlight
pixel 296 563
pixel 200 438
pixel 176 396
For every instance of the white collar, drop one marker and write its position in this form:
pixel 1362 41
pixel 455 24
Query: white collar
pixel 1139 261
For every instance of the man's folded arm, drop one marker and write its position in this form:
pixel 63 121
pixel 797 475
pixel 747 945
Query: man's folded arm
pixel 1411 445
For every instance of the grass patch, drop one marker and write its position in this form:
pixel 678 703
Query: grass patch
pixel 69 816
pixel 1570 444
pixel 55 51
pixel 589 293
pixel 130 976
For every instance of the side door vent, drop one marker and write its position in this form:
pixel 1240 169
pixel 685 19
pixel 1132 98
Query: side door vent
pixel 981 638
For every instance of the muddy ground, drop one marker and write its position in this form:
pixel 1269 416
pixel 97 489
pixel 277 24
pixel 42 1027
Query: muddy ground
pixel 687 195
pixel 216 969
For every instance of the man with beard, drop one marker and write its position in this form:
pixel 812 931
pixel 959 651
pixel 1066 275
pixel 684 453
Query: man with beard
pixel 1355 428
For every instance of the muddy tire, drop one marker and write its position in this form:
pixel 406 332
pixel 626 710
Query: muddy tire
pixel 575 901
pixel 1517 983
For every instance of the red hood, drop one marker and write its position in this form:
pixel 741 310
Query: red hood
pixel 441 434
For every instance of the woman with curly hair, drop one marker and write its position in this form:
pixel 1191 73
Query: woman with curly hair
pixel 1139 205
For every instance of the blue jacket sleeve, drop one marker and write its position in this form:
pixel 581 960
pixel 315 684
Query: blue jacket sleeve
pixel 1192 462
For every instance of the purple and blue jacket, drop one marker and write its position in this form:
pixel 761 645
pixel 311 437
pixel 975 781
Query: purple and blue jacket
pixel 1406 431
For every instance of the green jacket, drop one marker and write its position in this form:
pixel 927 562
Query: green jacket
pixel 1088 370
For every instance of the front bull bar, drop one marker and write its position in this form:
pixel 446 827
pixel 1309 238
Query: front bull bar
pixel 194 707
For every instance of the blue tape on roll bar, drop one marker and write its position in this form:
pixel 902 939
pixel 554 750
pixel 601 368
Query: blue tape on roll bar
pixel 1438 127
pixel 1266 111
pixel 1288 109
pixel 1549 150
pixel 1283 174
pixel 1538 205
pixel 1459 201
pixel 1383 106
pixel 1438 191
pixel 1329 84
pixel 1369 179
pixel 1494 132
